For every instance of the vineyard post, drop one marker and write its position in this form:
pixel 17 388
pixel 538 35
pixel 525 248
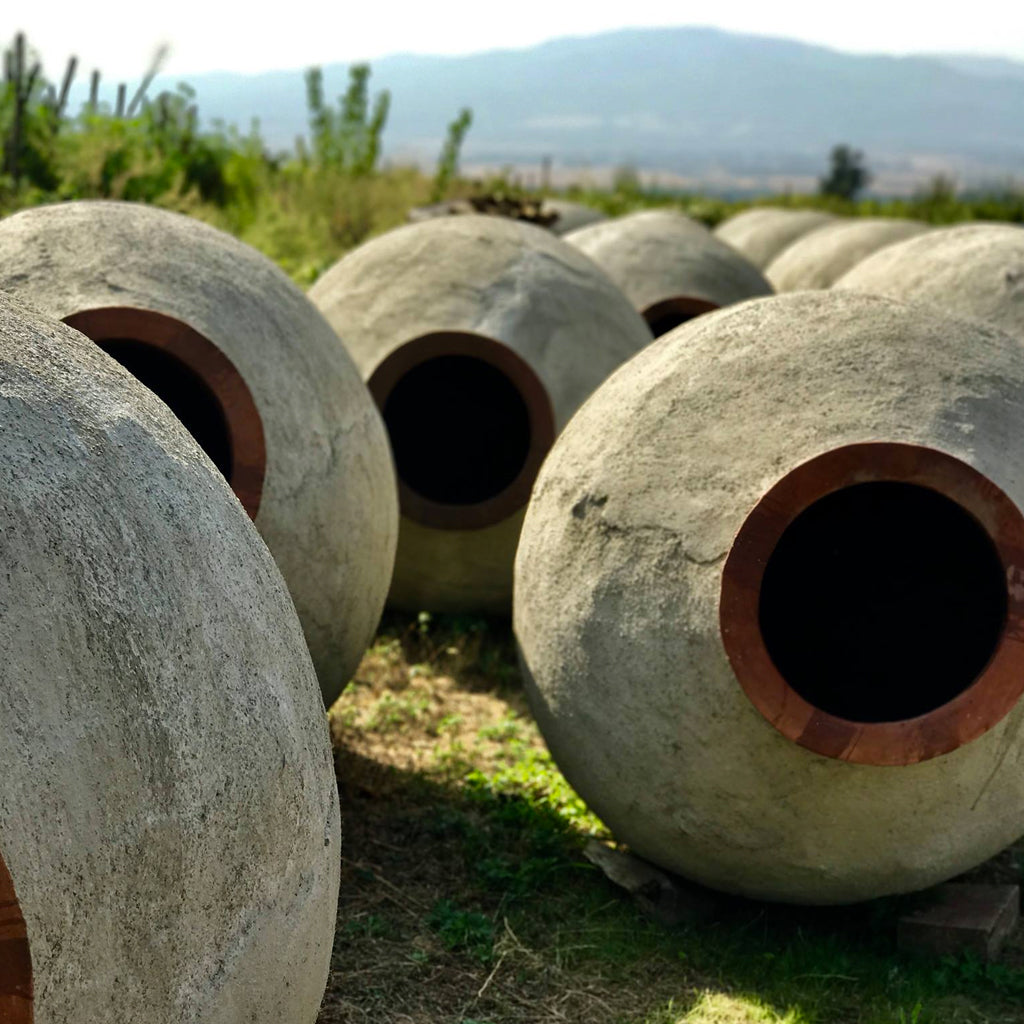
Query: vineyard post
pixel 65 87
pixel 17 76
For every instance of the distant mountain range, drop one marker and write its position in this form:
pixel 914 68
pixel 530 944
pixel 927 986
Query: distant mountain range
pixel 986 67
pixel 698 103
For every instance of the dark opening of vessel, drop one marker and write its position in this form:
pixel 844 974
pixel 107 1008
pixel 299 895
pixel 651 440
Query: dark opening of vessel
pixel 469 422
pixel 183 390
pixel 459 428
pixel 882 601
pixel 665 316
pixel 196 380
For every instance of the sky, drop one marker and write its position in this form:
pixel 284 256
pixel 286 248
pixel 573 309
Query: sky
pixel 119 37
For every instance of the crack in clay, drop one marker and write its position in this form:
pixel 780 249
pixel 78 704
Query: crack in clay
pixel 714 560
pixel 588 501
pixel 1007 744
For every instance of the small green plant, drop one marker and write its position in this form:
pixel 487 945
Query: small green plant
pixel 347 139
pixel 509 728
pixel 465 931
pixel 913 1016
pixel 969 969
pixel 626 182
pixel 30 117
pixel 448 724
pixel 448 162
pixel 392 713
pixel 533 775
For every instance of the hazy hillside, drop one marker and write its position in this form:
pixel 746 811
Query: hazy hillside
pixel 988 67
pixel 686 99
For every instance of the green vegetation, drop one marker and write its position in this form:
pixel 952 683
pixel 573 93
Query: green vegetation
pixel 347 140
pixel 307 207
pixel 467 930
pixel 466 895
pixel 448 162
pixel 848 176
pixel 303 208
pixel 937 203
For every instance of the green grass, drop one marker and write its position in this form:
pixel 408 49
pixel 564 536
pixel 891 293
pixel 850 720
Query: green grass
pixel 467 931
pixel 477 868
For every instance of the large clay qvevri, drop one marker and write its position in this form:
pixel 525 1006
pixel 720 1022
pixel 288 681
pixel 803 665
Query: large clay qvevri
pixel 479 337
pixel 670 267
pixel 770 598
pixel 820 258
pixel 763 232
pixel 169 824
pixel 253 371
pixel 972 270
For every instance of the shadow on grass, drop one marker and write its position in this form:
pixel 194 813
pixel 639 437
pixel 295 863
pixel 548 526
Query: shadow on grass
pixel 464 900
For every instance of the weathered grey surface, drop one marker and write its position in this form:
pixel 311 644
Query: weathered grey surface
pixel 456 570
pixel 663 254
pixel 819 259
pixel 619 572
pixel 764 232
pixel 974 270
pixel 329 508
pixel 168 809
pixel 571 216
pixel 505 280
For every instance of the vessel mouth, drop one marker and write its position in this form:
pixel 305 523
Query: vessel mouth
pixel 198 383
pixel 16 991
pixel 868 606
pixel 668 314
pixel 469 423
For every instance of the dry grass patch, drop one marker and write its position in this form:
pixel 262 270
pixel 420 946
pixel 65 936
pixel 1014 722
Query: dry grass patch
pixel 465 898
pixel 720 1008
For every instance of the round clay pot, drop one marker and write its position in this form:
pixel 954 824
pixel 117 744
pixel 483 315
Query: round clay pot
pixel 169 822
pixel 478 337
pixel 770 598
pixel 763 232
pixel 671 267
pixel 245 360
pixel 819 259
pixel 972 270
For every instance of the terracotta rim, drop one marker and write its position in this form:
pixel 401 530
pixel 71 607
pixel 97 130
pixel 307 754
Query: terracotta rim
pixel 15 958
pixel 683 306
pixel 203 358
pixel 967 716
pixel 538 405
